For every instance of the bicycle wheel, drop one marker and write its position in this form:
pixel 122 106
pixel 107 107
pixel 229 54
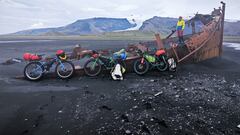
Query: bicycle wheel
pixel 33 71
pixel 65 69
pixel 162 64
pixel 140 67
pixel 92 67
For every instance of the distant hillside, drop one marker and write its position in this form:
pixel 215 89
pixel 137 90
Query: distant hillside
pixel 81 27
pixel 232 28
pixel 95 26
pixel 164 25
pixel 158 24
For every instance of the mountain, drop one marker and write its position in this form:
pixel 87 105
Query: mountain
pixel 164 25
pixel 158 24
pixel 81 27
pixel 232 28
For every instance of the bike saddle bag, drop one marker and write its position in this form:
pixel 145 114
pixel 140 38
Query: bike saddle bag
pixel 160 52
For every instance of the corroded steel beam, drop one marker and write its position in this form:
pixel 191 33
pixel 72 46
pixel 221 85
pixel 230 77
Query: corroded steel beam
pixel 222 25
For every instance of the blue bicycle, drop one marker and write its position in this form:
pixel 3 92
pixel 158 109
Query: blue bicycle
pixel 36 68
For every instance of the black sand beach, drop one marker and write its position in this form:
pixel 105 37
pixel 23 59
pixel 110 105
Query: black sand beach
pixel 199 99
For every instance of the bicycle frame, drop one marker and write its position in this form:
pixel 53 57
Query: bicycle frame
pixel 47 65
pixel 144 55
pixel 112 62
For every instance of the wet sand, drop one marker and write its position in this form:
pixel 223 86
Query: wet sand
pixel 201 98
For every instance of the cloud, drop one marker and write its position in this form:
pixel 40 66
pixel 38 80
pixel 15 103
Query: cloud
pixel 18 15
pixel 37 25
pixel 126 7
pixel 12 4
pixel 91 9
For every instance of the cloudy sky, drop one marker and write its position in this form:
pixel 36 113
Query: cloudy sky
pixel 18 15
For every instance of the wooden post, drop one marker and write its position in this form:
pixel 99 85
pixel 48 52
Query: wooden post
pixel 159 41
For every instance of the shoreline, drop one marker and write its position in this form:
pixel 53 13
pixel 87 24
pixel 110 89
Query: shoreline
pixel 229 39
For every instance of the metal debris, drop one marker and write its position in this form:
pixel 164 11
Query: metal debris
pixel 12 61
pixel 159 93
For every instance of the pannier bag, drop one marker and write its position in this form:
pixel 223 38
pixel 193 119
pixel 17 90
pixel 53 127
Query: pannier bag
pixel 160 52
pixel 117 72
pixel 172 64
pixel 150 58
pixel 120 55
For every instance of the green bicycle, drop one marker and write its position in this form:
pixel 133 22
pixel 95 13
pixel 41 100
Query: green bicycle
pixel 98 62
pixel 148 61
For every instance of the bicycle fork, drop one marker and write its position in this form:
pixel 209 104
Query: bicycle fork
pixel 94 64
pixel 142 60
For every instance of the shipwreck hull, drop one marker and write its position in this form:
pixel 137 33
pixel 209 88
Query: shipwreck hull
pixel 198 47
